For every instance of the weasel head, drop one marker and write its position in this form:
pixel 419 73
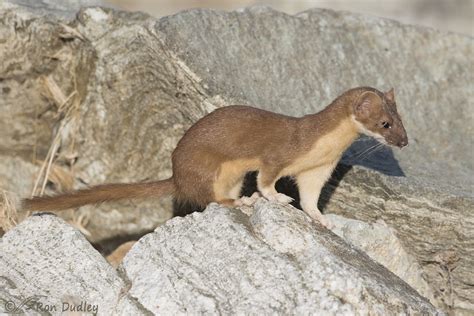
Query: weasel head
pixel 375 114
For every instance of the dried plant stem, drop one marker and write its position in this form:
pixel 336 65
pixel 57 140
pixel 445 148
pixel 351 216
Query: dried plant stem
pixel 48 169
pixel 8 211
pixel 66 105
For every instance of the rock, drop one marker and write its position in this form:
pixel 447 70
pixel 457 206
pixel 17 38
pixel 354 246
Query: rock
pixel 44 54
pixel 379 241
pixel 219 261
pixel 275 261
pixel 45 261
pixel 14 173
pixel 307 68
pixel 135 84
pixel 429 223
pixel 65 9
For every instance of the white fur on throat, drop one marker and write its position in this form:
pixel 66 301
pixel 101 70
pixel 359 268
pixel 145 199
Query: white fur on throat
pixel 365 131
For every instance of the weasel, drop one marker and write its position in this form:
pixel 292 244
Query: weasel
pixel 212 158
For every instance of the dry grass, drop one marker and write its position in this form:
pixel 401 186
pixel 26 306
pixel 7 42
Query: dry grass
pixel 67 112
pixel 80 222
pixel 8 211
pixel 56 167
pixel 61 177
pixel 56 173
pixel 52 171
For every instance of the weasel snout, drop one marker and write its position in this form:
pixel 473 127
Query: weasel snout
pixel 403 142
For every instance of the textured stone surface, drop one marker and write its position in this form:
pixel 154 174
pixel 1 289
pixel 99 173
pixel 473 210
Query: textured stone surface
pixel 96 145
pixel 379 241
pixel 297 64
pixel 436 226
pixel 275 261
pixel 14 173
pixel 65 9
pixel 140 82
pixel 45 258
pixel 312 57
pixel 220 261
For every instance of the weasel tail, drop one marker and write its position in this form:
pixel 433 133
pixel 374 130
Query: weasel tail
pixel 99 194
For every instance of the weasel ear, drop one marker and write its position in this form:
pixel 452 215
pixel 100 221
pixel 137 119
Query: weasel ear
pixel 366 104
pixel 390 95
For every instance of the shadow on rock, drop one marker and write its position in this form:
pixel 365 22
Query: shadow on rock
pixel 108 245
pixel 369 153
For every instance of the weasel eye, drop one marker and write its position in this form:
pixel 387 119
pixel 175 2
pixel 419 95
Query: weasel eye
pixel 386 124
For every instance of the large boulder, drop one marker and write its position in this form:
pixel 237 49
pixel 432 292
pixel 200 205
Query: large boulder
pixel 45 264
pixel 108 94
pixel 271 259
pixel 380 243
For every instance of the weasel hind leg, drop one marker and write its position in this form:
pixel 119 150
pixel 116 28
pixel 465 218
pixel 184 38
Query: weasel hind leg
pixel 227 190
pixel 236 200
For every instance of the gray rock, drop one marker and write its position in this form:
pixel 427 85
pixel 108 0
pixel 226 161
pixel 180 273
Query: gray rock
pixel 45 261
pixel 314 56
pixel 37 48
pixel 139 83
pixel 276 261
pixel 65 9
pixel 436 227
pixel 14 173
pixel 219 261
pixel 379 241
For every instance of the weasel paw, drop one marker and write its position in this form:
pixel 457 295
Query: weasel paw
pixel 325 222
pixel 318 217
pixel 247 200
pixel 280 198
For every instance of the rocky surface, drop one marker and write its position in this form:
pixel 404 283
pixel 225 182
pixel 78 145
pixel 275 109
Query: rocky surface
pixel 51 263
pixel 274 260
pixel 64 9
pixel 380 242
pixel 112 92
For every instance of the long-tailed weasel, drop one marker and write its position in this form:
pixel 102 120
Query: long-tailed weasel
pixel 212 158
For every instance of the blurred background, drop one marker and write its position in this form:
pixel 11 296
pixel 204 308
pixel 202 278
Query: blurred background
pixel 449 15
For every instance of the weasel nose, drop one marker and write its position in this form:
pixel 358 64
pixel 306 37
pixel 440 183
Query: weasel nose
pixel 403 143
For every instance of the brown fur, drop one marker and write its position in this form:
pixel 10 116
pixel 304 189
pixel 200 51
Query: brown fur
pixel 116 257
pixel 100 194
pixel 376 108
pixel 210 161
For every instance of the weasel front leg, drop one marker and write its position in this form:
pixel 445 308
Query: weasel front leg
pixel 266 179
pixel 310 184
